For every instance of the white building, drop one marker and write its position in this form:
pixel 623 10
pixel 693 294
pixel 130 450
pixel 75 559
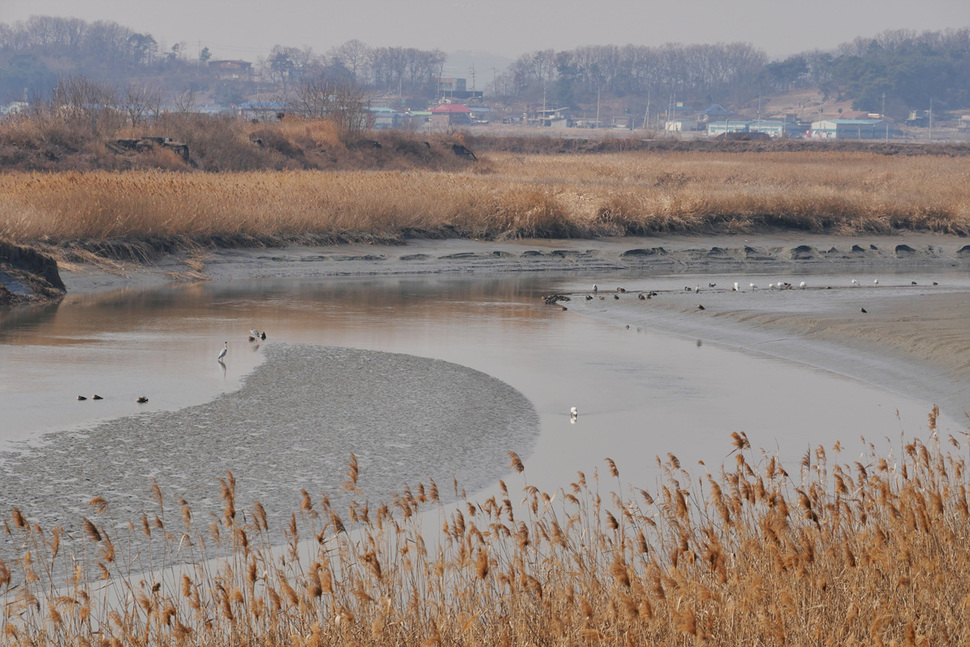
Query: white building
pixel 849 129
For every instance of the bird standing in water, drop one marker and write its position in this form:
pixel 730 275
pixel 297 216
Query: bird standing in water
pixel 222 353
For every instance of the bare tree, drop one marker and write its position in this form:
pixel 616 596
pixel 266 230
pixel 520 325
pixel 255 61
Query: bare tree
pixel 184 101
pixel 85 103
pixel 353 54
pixel 338 101
pixel 141 102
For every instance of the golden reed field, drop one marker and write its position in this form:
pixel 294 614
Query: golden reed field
pixel 503 195
pixel 833 550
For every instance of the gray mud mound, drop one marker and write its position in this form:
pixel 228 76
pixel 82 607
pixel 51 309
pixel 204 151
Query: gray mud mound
pixel 291 427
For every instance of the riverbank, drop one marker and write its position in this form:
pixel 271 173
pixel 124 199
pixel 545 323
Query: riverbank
pixel 914 319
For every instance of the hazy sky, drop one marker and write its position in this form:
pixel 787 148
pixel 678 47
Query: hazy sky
pixel 249 28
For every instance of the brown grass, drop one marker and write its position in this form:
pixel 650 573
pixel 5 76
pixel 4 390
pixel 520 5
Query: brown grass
pixel 53 142
pixel 830 551
pixel 503 196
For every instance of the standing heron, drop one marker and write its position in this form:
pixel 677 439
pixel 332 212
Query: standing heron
pixel 222 353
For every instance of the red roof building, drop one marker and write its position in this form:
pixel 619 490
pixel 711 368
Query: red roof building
pixel 450 114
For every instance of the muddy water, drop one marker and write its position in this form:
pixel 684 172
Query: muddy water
pixel 422 378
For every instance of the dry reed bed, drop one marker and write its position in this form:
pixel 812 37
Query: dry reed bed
pixel 872 552
pixel 506 195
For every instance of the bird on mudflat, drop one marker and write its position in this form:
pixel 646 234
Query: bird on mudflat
pixel 863 310
pixel 97 397
pixel 222 353
pixel 142 399
pixel 641 297
pixel 700 307
pixel 573 414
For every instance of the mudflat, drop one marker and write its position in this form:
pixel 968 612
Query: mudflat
pixel 902 298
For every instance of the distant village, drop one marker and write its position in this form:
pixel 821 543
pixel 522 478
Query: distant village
pixel 457 107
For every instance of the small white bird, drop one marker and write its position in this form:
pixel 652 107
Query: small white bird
pixel 222 353
pixel 752 286
pixel 736 287
pixel 254 333
pixel 802 284
pixel 854 282
pixel 573 414
pixel 875 281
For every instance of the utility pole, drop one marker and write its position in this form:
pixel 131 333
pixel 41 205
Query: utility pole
pixel 931 120
pixel 883 115
pixel 598 107
pixel 646 114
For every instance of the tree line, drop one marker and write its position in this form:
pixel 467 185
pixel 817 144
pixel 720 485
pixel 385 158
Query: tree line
pixel 893 72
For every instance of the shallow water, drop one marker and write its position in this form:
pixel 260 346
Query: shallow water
pixel 514 368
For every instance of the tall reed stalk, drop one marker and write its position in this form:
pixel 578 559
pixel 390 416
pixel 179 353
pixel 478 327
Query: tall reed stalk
pixel 828 551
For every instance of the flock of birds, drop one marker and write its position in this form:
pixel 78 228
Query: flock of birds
pixel 141 399
pixel 254 336
pixel 736 287
pixel 555 299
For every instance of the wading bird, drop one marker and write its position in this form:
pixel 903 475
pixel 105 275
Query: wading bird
pixel 222 353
